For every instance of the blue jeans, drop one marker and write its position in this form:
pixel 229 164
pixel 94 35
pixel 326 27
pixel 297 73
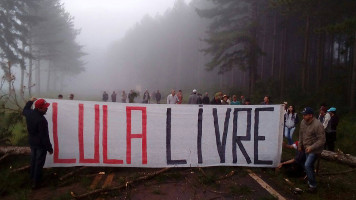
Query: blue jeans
pixel 288 133
pixel 38 158
pixel 309 168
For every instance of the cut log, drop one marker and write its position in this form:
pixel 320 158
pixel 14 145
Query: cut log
pixel 21 169
pixel 15 150
pixel 125 185
pixel 339 157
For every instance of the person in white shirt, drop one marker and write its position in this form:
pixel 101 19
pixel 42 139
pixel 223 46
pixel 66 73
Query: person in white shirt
pixel 172 98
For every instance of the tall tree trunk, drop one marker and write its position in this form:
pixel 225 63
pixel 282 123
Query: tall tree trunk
pixel 320 59
pixel 253 52
pixel 30 72
pixel 23 68
pixel 9 78
pixel 305 66
pixel 283 61
pixel 263 46
pixel 49 76
pixel 38 76
pixel 353 82
pixel 331 55
pixel 274 38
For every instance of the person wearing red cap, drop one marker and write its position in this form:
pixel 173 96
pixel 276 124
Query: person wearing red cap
pixel 40 144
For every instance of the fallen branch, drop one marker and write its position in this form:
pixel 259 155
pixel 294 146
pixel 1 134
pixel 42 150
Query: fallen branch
pixel 127 184
pixel 4 156
pixel 71 173
pixel 232 173
pixel 339 157
pixel 21 169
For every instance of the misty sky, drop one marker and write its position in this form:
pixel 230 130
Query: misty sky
pixel 103 22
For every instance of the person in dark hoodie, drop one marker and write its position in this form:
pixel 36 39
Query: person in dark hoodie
pixel 330 131
pixel 40 144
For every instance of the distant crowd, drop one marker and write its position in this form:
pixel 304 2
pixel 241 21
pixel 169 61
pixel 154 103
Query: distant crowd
pixel 177 98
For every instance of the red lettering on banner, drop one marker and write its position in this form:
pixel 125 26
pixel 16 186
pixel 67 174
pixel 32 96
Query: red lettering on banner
pixel 105 139
pixel 130 136
pixel 81 135
pixel 56 158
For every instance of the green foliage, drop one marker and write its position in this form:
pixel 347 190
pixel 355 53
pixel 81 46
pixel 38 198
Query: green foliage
pixel 231 39
pixel 11 122
pixel 346 134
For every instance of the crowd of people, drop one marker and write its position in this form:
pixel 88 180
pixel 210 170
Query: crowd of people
pixel 177 98
pixel 316 133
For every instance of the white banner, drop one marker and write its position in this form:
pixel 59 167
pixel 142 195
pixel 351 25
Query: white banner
pixel 86 133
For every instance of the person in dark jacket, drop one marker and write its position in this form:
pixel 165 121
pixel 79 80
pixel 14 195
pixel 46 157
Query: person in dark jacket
pixel 40 144
pixel 105 96
pixel 216 100
pixel 158 97
pixel 330 131
pixel 206 99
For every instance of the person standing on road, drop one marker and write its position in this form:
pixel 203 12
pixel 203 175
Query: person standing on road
pixel 311 140
pixel 40 144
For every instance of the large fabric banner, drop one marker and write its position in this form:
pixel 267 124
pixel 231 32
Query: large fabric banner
pixel 86 133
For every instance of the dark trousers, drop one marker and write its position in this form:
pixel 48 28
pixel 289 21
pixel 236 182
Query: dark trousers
pixel 330 141
pixel 38 158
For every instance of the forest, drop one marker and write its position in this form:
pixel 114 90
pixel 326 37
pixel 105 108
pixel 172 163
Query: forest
pixel 299 51
pixel 296 49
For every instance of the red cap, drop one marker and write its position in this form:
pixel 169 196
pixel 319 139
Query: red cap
pixel 41 103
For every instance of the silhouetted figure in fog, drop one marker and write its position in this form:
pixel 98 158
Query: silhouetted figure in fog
pixel 123 97
pixel 206 98
pixel 113 96
pixel 146 97
pixel 131 96
pixel 193 98
pixel 200 98
pixel 158 96
pixel 105 96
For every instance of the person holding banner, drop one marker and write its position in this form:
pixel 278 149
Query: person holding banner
pixel 312 140
pixel 40 144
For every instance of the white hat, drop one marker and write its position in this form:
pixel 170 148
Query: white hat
pixel 194 91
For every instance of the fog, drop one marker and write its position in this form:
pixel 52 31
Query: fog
pixel 102 24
